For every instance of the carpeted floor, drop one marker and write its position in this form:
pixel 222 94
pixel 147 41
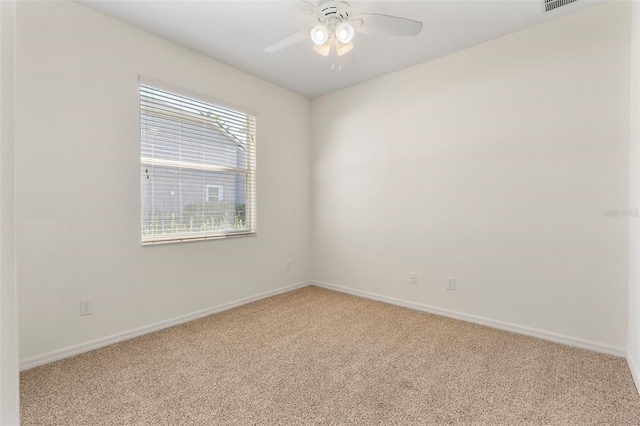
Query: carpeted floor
pixel 317 357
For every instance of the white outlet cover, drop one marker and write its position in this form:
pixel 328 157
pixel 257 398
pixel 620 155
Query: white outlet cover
pixel 451 283
pixel 86 306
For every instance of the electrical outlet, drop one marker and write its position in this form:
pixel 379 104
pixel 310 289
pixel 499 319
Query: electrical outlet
pixel 289 265
pixel 451 283
pixel 413 278
pixel 86 307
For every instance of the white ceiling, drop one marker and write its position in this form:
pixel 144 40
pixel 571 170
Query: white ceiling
pixel 236 33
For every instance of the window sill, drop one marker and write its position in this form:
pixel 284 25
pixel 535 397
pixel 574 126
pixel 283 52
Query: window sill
pixel 205 238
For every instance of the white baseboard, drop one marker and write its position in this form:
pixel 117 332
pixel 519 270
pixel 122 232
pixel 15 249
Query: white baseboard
pixel 635 373
pixel 541 334
pixel 56 355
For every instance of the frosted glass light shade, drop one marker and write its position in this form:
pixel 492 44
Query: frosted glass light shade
pixel 320 34
pixel 323 49
pixel 344 32
pixel 341 49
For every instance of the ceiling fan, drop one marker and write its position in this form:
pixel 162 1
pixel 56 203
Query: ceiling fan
pixel 336 27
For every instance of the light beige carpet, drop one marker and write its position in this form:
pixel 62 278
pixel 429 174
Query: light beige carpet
pixel 317 357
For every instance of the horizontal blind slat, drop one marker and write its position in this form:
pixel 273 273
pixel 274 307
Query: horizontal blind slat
pixel 159 109
pixel 186 101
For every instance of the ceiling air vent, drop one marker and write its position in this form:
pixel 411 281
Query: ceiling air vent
pixel 549 5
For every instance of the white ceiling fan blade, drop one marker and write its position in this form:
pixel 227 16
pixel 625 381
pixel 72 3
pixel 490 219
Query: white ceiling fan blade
pixel 315 7
pixel 289 41
pixel 371 23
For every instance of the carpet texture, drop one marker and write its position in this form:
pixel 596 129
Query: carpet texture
pixel 318 357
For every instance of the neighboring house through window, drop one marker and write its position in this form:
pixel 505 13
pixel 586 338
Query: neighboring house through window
pixel 198 167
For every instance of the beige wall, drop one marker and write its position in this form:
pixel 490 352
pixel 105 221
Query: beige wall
pixel 9 382
pixel 633 339
pixel 493 165
pixel 78 190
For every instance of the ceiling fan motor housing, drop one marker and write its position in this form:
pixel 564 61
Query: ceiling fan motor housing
pixel 331 14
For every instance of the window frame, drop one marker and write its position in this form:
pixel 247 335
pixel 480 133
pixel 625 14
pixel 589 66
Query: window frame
pixel 251 173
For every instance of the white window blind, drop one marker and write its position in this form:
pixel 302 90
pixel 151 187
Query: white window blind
pixel 191 149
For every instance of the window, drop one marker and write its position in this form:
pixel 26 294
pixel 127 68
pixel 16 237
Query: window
pixel 198 167
pixel 215 192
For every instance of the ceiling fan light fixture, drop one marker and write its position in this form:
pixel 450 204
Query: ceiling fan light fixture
pixel 343 48
pixel 320 34
pixel 344 32
pixel 323 49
